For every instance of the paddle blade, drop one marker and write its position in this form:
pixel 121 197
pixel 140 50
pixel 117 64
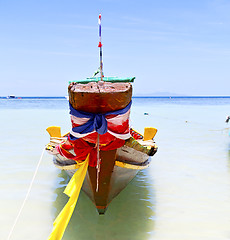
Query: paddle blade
pixel 54 131
pixel 149 133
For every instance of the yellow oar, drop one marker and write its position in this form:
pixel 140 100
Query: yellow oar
pixel 54 131
pixel 149 133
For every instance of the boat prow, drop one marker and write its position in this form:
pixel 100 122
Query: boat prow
pixel 118 167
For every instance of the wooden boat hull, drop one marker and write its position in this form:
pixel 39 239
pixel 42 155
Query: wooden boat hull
pixel 103 108
pixel 118 167
pixel 99 98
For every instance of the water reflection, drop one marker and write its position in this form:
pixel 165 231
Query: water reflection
pixel 129 216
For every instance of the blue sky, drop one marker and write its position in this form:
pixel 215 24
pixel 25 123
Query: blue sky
pixel 180 47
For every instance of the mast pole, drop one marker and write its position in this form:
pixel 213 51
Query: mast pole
pixel 100 46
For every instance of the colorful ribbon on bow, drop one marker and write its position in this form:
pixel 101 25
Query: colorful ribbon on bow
pixel 72 190
pixel 116 123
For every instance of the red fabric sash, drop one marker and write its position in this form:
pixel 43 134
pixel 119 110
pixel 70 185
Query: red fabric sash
pixel 82 149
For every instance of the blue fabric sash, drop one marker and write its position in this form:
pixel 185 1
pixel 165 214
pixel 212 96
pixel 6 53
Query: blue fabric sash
pixel 96 122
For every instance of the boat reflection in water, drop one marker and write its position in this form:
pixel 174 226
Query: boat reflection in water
pixel 130 216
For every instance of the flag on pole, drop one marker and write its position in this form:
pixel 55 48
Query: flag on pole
pixel 99 22
pixel 100 46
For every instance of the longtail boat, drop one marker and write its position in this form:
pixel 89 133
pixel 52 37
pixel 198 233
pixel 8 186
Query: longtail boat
pixel 101 140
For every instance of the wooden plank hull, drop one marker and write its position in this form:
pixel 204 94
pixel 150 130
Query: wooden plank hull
pixel 118 167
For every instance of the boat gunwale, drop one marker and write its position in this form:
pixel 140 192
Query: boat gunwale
pixel 118 163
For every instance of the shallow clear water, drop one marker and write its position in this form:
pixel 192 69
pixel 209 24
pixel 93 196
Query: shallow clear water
pixel 184 194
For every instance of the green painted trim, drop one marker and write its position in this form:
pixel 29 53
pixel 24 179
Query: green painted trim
pixel 106 79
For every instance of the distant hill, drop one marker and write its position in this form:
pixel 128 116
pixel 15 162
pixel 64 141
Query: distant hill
pixel 159 94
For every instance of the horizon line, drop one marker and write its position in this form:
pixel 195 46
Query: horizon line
pixel 135 96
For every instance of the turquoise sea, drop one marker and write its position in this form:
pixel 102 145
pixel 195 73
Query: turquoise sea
pixel 183 195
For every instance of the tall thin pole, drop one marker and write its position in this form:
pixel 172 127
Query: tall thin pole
pixel 100 46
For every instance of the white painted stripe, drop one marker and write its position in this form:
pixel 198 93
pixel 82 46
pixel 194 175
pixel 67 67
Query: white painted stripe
pixel 79 135
pixel 120 136
pixel 119 119
pixel 79 121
